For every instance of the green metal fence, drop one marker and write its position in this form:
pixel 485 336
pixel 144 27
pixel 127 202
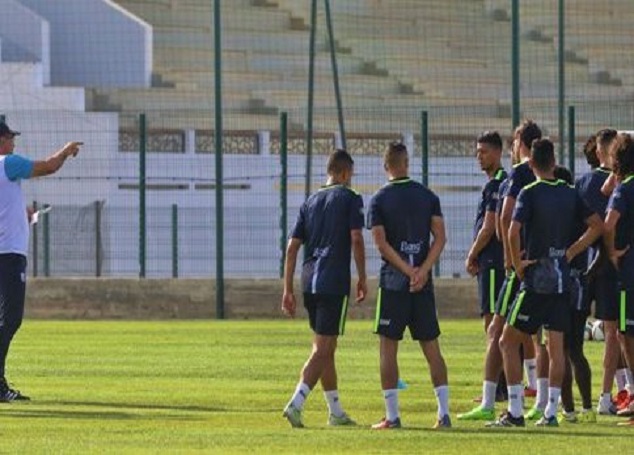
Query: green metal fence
pixel 202 173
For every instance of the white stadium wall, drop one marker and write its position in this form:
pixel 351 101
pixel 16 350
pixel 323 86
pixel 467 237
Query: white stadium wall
pixel 95 43
pixel 25 37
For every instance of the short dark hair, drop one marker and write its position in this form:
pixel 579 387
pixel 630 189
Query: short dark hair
pixel 606 136
pixel 491 138
pixel 562 173
pixel 528 132
pixel 624 155
pixel 395 154
pixel 338 162
pixel 543 154
pixel 590 152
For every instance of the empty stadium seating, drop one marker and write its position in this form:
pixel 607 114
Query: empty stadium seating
pixel 407 54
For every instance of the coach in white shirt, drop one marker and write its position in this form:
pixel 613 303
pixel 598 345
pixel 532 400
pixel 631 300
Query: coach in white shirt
pixel 14 238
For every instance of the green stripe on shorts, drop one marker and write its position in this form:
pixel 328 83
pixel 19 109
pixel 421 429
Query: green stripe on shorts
pixel 377 316
pixel 622 319
pixel 518 304
pixel 492 295
pixel 507 294
pixel 342 318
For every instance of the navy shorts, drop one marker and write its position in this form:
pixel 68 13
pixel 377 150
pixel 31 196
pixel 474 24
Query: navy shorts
pixel 531 310
pixel 507 294
pixel 604 290
pixel 489 284
pixel 326 313
pixel 396 310
pixel 626 312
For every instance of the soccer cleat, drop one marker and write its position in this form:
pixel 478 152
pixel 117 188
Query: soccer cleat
pixel 340 421
pixel 569 417
pixel 534 414
pixel 294 416
pixel 443 422
pixel 626 423
pixel 7 394
pixel 624 402
pixel 621 399
pixel 529 393
pixel 507 420
pixel 547 422
pixel 587 416
pixel 478 413
pixel 385 424
pixel 627 411
pixel 606 409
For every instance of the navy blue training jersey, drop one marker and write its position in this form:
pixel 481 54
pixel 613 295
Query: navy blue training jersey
pixel 520 176
pixel 550 212
pixel 323 225
pixel 501 193
pixel 589 188
pixel 492 255
pixel 622 200
pixel 405 209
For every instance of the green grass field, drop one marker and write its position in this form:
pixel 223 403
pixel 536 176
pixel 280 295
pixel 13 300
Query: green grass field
pixel 219 387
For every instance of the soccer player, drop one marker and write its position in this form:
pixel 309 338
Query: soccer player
pixel 329 225
pixel 520 176
pixel 603 286
pixel 547 210
pixel 573 339
pixel 619 226
pixel 403 216
pixel 486 257
pixel 14 238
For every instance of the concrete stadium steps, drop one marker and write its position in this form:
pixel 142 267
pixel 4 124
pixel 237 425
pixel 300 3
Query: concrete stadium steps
pixel 203 120
pixel 349 83
pixel 182 61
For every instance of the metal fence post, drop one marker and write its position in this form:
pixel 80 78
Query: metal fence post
pixel 174 241
pixel 283 188
pixel 142 188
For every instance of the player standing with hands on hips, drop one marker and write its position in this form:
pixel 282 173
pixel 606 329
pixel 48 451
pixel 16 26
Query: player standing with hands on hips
pixel 330 226
pixel 14 238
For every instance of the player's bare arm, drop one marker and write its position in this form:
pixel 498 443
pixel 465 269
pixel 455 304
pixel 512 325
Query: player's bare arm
pixel 591 234
pixel 505 223
pixel 435 249
pixel 54 162
pixel 609 232
pixel 289 303
pixel 484 236
pixel 514 241
pixel 389 254
pixel 358 252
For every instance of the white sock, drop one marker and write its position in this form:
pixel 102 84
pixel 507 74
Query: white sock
pixel 606 399
pixel 620 377
pixel 301 393
pixel 530 366
pixel 542 393
pixel 334 405
pixel 488 394
pixel 516 398
pixel 391 404
pixel 442 398
pixel 629 378
pixel 553 401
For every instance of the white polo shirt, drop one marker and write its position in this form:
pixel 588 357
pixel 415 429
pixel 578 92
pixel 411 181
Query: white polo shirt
pixel 14 225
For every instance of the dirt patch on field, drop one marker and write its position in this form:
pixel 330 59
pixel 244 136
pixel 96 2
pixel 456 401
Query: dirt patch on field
pixel 53 298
